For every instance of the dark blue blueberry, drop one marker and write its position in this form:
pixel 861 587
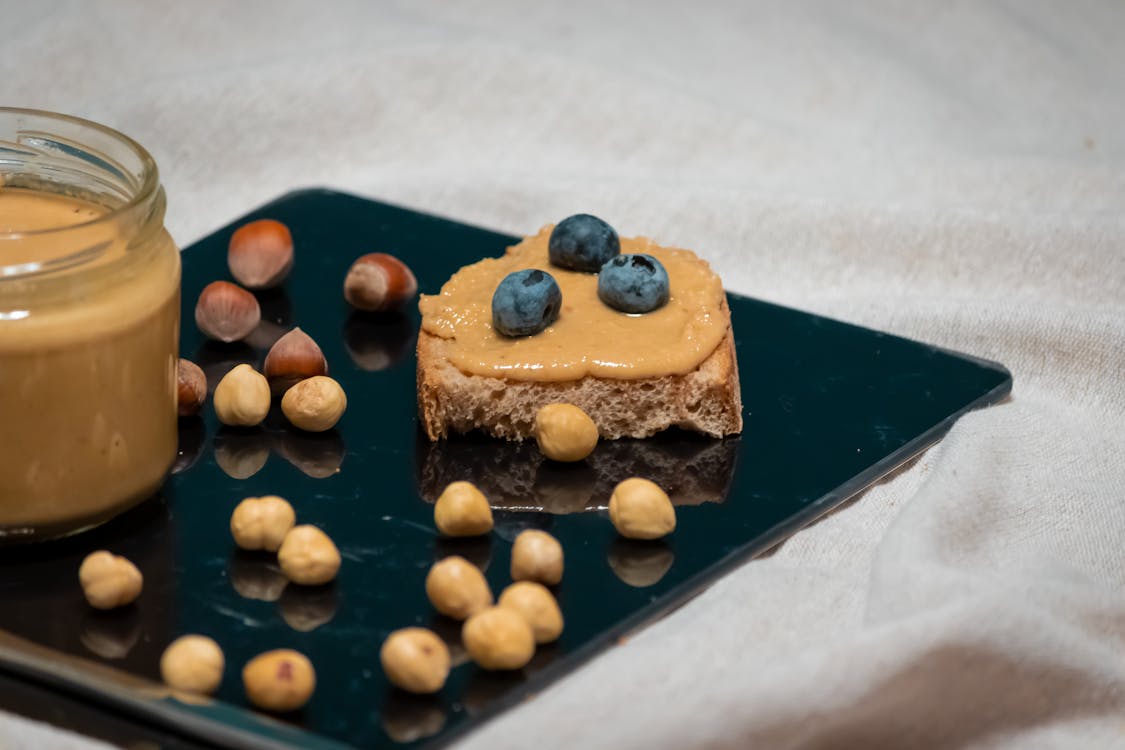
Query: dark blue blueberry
pixel 583 243
pixel 633 283
pixel 526 302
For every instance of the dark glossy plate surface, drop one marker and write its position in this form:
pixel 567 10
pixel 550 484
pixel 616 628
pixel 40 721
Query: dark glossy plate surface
pixel 829 408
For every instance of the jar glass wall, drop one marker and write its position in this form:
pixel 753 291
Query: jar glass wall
pixel 89 325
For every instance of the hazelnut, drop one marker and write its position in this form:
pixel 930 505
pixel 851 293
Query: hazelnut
pixel 193 663
pixel 378 282
pixel 416 660
pixel 315 404
pixel 262 522
pixel 499 638
pixel 307 556
pixel 109 580
pixel 191 388
pixel 535 604
pixel 293 358
pixel 242 397
pixel 260 254
pixel 639 509
pixel 564 432
pixel 537 556
pixel 226 312
pixel 457 588
pixel 280 680
pixel 462 510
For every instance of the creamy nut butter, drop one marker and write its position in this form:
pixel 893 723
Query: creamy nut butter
pixel 589 338
pixel 89 330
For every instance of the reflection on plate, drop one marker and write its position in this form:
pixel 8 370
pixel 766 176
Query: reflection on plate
pixel 514 476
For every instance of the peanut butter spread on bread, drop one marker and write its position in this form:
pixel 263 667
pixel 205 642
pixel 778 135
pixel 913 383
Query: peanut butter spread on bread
pixel 589 338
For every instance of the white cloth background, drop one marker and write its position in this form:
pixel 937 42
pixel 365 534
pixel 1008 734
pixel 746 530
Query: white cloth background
pixel 950 171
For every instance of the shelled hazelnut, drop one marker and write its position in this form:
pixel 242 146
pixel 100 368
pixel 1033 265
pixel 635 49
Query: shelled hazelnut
pixel 457 588
pixel 242 397
pixel 191 388
pixel 565 433
pixel 639 509
pixel 378 282
pixel 308 556
pixel 536 605
pixel 537 556
pixel 109 581
pixel 415 660
pixel 261 523
pixel 315 404
pixel 462 510
pixel 260 254
pixel 280 680
pixel 226 312
pixel 499 638
pixel 193 663
pixel 293 357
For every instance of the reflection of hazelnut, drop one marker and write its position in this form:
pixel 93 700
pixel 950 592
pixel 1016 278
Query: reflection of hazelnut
pixel 260 253
pixel 640 564
pixel 307 556
pixel 239 454
pixel 462 510
pixel 536 605
pixel 317 454
pixel 306 609
pixel 378 342
pixel 280 680
pixel 416 660
pixel 193 663
pixel 379 282
pixel 256 576
pixel 109 580
pixel 457 588
pixel 499 638
pixel 191 388
pixel 111 634
pixel 226 312
pixel 315 404
pixel 293 358
pixel 262 522
pixel 565 433
pixel 537 556
pixel 242 397
pixel 408 718
pixel 639 509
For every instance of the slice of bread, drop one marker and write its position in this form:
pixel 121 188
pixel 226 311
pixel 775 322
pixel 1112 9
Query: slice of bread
pixel 705 400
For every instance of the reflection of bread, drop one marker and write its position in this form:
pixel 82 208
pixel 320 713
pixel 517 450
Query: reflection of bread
pixel 706 400
pixel 515 476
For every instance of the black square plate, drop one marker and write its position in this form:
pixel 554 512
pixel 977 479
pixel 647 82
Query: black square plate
pixel 829 409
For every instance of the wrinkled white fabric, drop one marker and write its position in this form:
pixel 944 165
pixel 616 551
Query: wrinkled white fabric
pixel 953 172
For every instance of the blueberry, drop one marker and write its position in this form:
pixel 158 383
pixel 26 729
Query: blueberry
pixel 633 283
pixel 583 243
pixel 526 302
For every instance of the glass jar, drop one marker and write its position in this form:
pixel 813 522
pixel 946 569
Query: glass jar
pixel 89 325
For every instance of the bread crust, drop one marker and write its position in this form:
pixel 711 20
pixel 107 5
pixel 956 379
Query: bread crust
pixel 707 399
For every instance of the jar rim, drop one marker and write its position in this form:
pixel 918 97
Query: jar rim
pixel 150 181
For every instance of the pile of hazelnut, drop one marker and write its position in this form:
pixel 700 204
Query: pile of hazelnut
pixel 260 257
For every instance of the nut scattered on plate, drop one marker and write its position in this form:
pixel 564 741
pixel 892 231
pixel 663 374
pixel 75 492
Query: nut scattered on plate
pixel 193 663
pixel 416 660
pixel 462 510
pixel 457 588
pixel 308 556
pixel 280 680
pixel 537 556
pixel 109 581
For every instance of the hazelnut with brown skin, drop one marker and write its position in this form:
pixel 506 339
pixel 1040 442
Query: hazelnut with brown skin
pixel 462 510
pixel 242 397
pixel 378 282
pixel 226 312
pixel 537 556
pixel 315 404
pixel 308 556
pixel 193 663
pixel 499 638
pixel 415 660
pixel 262 522
pixel 280 680
pixel 457 588
pixel 260 254
pixel 191 388
pixel 293 357
pixel 109 581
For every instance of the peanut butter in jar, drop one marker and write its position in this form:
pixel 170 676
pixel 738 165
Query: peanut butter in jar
pixel 89 326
